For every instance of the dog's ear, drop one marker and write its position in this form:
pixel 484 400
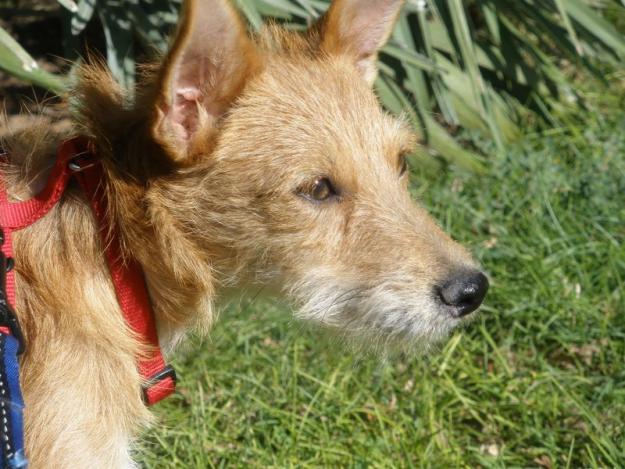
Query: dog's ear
pixel 207 67
pixel 359 28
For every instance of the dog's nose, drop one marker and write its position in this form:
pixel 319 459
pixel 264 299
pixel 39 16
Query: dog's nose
pixel 463 292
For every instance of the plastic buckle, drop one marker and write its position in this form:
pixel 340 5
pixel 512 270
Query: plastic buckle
pixel 81 161
pixel 167 372
pixel 7 315
pixel 9 320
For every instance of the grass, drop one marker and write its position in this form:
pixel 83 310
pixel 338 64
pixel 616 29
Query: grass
pixel 538 380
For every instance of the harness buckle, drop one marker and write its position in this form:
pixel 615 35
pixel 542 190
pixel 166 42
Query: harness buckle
pixel 81 161
pixel 8 319
pixel 155 379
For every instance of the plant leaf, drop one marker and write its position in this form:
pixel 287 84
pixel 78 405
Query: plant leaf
pixel 82 16
pixel 69 5
pixel 17 62
pixel 119 44
pixel 596 25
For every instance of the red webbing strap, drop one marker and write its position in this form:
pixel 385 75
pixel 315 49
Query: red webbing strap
pixel 75 159
pixel 17 215
pixel 127 276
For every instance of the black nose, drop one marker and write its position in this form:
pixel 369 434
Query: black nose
pixel 464 292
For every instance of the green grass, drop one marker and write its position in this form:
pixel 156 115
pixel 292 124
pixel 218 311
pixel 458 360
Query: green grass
pixel 537 380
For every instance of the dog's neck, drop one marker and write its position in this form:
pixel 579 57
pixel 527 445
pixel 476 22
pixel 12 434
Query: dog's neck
pixel 151 209
pixel 150 205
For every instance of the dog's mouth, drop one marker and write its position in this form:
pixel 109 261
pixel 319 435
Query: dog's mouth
pixel 384 316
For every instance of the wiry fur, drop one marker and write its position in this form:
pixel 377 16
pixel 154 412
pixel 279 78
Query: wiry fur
pixel 205 175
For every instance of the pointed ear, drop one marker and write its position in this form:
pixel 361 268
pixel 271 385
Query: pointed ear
pixel 359 28
pixel 207 67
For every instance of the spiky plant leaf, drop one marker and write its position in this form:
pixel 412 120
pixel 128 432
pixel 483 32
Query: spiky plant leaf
pixel 477 64
pixel 82 16
pixel 17 62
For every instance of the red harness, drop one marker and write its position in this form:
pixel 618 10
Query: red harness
pixel 75 159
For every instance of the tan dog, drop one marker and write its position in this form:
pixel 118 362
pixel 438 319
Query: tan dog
pixel 263 160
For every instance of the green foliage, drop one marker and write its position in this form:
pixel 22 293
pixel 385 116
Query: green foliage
pixel 481 65
pixel 126 22
pixel 16 61
pixel 538 380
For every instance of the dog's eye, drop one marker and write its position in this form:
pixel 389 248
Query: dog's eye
pixel 322 190
pixel 403 165
pixel 319 191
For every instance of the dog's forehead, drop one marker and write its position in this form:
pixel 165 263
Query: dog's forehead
pixel 328 87
pixel 323 104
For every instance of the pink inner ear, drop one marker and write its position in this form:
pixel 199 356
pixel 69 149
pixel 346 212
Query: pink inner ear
pixel 184 111
pixel 371 26
pixel 365 34
pixel 189 93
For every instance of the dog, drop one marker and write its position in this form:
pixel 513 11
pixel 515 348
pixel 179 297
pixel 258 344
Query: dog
pixel 241 159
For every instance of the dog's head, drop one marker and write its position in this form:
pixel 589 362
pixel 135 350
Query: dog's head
pixel 300 178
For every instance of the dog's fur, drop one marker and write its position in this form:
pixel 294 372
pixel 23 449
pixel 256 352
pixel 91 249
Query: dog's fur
pixel 209 177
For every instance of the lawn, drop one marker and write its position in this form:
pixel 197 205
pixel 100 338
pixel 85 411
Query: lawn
pixel 537 380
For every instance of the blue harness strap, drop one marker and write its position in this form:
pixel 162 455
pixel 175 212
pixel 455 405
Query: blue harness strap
pixel 11 406
pixel 11 401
